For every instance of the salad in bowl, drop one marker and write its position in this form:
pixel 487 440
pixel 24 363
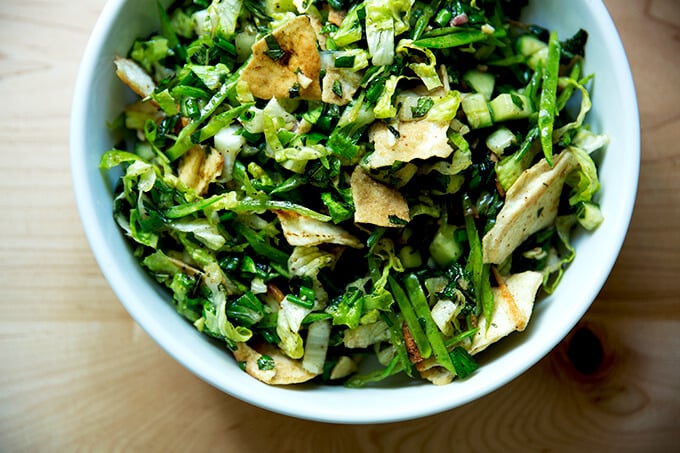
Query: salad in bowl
pixel 343 191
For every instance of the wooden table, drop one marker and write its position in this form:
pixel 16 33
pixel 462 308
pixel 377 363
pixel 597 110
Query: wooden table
pixel 77 373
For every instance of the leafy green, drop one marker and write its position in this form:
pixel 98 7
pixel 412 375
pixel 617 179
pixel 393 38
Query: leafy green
pixel 463 363
pixel 346 310
pixel 384 21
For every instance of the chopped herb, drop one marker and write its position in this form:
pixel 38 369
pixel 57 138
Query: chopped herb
pixel 576 45
pixel 337 88
pixel 294 91
pixel 345 61
pixel 265 363
pixel 517 101
pixel 374 91
pixel 393 131
pixel 274 50
pixel 422 107
pixel 328 29
pixel 463 362
pixel 395 220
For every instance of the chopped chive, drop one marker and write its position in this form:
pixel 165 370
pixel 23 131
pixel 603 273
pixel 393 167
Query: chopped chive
pixel 307 295
pixel 265 363
pixel 443 17
pixel 337 88
pixel 300 301
pixel 294 91
pixel 517 101
pixel 422 107
pixel 393 131
pixel 345 61
pixel 274 50
pixel 374 91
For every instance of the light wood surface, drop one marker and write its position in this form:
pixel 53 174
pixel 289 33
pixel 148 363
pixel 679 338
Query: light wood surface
pixel 76 373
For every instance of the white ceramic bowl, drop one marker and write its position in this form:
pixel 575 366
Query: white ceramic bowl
pixel 98 99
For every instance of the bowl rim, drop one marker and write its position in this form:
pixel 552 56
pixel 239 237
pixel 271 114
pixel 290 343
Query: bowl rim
pixel 262 396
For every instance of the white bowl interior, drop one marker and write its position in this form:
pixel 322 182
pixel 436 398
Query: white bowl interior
pixel 98 99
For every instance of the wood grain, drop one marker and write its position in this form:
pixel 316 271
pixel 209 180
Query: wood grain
pixel 76 373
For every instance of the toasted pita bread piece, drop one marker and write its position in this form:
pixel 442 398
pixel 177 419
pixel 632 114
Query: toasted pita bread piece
pixel 376 203
pixel 530 205
pixel 514 302
pixel 198 169
pixel 134 76
pixel 336 16
pixel 285 371
pixel 299 63
pixel 420 139
pixel 429 369
pixel 304 231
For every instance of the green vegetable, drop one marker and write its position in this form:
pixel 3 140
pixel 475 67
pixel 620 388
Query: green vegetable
pixel 457 38
pixel 444 248
pixel 420 306
pixel 576 45
pixel 412 319
pixel 510 167
pixel 481 82
pixel 384 21
pixel 477 111
pixel 528 45
pixel 589 215
pixel 547 105
pixel 510 106
pixel 480 271
pixel 499 140
pixel 463 363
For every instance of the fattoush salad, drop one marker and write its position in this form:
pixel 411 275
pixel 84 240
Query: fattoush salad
pixel 342 191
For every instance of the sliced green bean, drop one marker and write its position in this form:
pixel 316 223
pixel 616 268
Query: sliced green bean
pixel 546 112
pixel 480 270
pixel 457 39
pixel 412 320
pixel 422 309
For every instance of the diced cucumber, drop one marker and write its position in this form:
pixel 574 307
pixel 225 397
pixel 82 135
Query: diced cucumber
pixel 510 106
pixel 528 45
pixel 500 139
pixel 410 257
pixel 481 82
pixel 537 57
pixel 444 249
pixel 476 110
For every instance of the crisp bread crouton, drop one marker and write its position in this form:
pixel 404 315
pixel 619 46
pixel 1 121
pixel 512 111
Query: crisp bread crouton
pixel 296 70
